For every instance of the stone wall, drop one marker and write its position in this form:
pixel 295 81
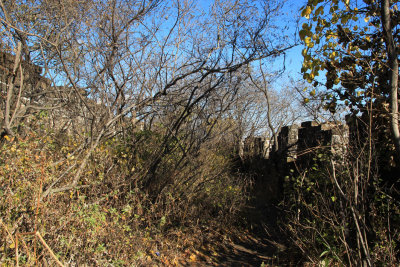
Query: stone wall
pixel 330 136
pixel 35 93
pixel 300 141
pixel 32 78
pixel 295 149
pixel 287 144
pixel 64 108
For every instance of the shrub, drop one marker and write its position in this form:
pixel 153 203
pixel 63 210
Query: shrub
pixel 340 212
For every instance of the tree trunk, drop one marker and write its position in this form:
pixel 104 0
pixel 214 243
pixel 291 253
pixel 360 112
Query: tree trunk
pixel 394 73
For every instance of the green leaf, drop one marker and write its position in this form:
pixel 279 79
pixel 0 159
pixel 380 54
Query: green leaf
pixel 302 34
pixel 319 11
pixel 344 19
pixel 162 221
pixel 324 253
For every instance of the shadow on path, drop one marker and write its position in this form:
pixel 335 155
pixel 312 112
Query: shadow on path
pixel 257 239
pixel 259 242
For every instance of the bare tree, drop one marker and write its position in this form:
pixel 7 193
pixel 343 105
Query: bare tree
pixel 281 107
pixel 393 63
pixel 115 62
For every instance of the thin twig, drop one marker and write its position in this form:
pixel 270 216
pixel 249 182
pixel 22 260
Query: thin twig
pixel 49 249
pixel 16 251
pixel 360 234
pixel 8 232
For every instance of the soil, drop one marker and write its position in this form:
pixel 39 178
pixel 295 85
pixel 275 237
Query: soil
pixel 257 241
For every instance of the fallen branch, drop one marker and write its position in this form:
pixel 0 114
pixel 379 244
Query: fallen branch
pixel 39 236
pixel 48 249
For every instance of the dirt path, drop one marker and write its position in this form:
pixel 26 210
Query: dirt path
pixel 260 243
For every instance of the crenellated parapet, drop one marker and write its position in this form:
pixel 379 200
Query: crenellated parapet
pixel 287 144
pixel 330 137
pixel 296 142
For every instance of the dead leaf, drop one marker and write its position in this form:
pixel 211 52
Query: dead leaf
pixel 193 257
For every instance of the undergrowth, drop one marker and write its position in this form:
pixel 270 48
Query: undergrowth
pixel 111 218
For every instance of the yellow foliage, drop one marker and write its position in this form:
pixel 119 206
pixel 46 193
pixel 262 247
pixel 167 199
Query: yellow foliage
pixel 306 12
pixel 308 42
pixel 193 258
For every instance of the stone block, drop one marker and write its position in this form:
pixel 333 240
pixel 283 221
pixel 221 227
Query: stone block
pixel 308 124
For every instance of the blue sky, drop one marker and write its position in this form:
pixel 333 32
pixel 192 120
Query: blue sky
pixel 287 19
pixel 294 59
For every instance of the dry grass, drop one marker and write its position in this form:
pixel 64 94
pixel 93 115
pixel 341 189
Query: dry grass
pixel 107 220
